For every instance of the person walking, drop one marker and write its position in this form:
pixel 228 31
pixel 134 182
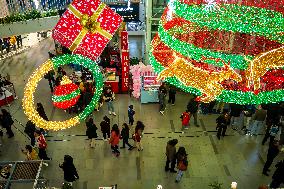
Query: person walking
pixel 69 170
pixel 162 98
pixel 109 97
pixel 222 123
pixel 172 95
pixel 138 135
pixel 42 114
pixel 257 121
pixel 7 122
pixel 273 151
pixel 249 111
pixel 235 113
pixel 185 119
pixel 30 153
pixel 171 155
pixel 131 113
pixel 182 163
pixel 114 140
pixel 192 107
pixel 273 132
pixel 91 132
pixel 105 128
pixel 51 81
pixel 42 145
pixel 30 130
pixel 125 136
pixel 278 176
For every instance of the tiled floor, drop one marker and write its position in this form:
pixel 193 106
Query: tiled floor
pixel 235 158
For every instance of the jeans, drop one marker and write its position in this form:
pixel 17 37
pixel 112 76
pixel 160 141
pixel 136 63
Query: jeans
pixel 125 141
pixel 255 127
pixel 115 149
pixel 131 121
pixel 179 175
pixel 110 107
pixel 162 106
pixel 268 163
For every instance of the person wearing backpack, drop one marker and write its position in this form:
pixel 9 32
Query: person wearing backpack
pixel 182 163
pixel 105 127
pixel 91 132
pixel 131 113
pixel 273 151
pixel 185 119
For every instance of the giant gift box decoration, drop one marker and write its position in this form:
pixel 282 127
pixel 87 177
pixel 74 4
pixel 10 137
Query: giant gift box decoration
pixel 86 27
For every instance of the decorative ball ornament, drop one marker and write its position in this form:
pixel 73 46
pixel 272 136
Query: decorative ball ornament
pixel 66 94
pixel 54 63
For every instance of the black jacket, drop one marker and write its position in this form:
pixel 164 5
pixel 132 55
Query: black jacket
pixel 91 130
pixel 125 133
pixel 222 121
pixel 70 172
pixel 236 110
pixel 105 126
pixel 30 128
pixel 279 172
pixel 42 114
pixel 192 106
pixel 7 121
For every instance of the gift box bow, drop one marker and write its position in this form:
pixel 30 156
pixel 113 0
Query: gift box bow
pixel 89 24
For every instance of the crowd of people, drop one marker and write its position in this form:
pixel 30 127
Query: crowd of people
pixel 10 43
pixel 246 119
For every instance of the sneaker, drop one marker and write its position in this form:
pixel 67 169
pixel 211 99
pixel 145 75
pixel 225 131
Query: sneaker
pixel 185 127
pixel 173 171
pixel 173 104
pixel 109 112
pixel 113 113
pixel 162 112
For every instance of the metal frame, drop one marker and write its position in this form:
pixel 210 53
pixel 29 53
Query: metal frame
pixel 35 181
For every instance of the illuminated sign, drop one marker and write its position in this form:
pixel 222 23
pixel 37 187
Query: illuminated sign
pixel 129 12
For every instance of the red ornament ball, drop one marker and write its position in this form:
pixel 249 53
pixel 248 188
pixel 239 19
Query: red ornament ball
pixel 65 95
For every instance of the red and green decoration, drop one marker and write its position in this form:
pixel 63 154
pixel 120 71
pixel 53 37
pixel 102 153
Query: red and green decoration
pixel 207 31
pixel 66 94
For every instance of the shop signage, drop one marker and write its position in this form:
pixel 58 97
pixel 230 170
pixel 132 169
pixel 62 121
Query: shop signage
pixel 124 61
pixel 129 12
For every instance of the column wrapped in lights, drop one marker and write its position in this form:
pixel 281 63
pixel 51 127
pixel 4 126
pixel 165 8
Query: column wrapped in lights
pixel 54 63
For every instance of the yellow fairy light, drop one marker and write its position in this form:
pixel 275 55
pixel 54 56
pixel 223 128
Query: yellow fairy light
pixel 207 82
pixel 262 63
pixel 28 102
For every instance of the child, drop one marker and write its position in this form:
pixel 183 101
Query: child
pixel 185 118
pixel 131 113
pixel 222 123
pixel 114 140
pixel 182 162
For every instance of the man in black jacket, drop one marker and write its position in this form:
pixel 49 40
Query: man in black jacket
pixel 29 130
pixel 192 107
pixel 273 151
pixel 278 176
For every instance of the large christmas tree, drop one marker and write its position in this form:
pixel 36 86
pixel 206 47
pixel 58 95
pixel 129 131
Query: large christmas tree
pixel 226 50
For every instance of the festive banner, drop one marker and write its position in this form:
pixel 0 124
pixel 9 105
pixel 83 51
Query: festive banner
pixel 124 61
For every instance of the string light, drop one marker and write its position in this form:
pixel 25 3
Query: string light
pixel 236 18
pixel 28 100
pixel 228 96
pixel 86 27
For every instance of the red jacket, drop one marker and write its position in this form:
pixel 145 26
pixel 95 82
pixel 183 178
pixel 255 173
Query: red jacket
pixel 41 142
pixel 185 118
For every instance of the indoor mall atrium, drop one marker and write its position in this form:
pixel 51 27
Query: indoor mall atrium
pixel 141 94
